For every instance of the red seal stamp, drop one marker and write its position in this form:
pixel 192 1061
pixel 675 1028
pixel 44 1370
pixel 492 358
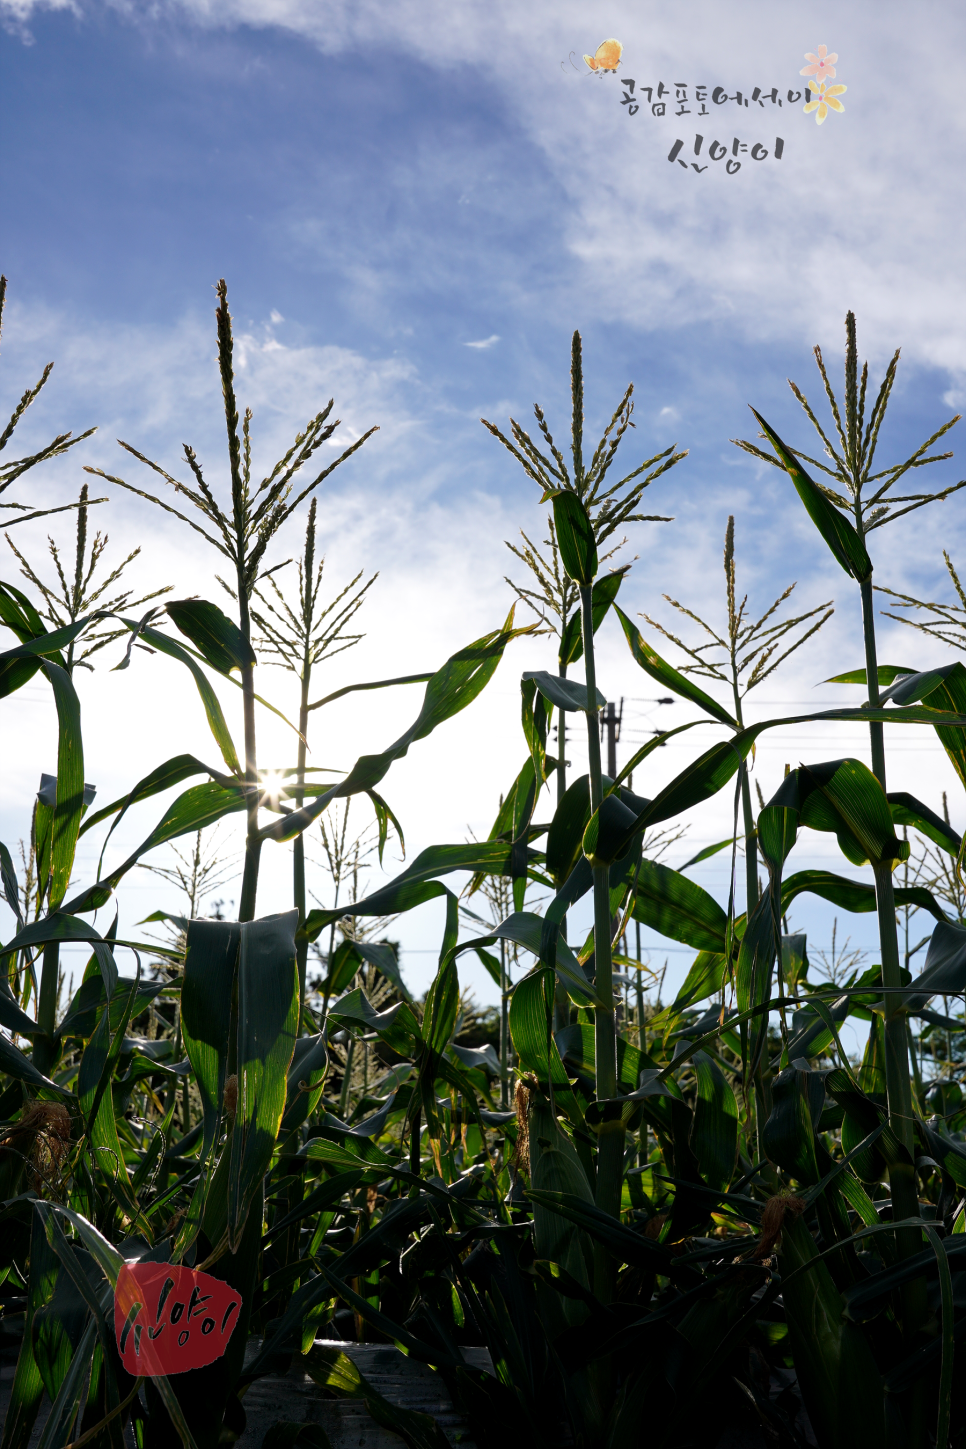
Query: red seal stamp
pixel 170 1319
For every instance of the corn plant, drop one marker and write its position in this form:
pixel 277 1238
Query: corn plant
pixel 749 647
pixel 704 1224
pixel 299 639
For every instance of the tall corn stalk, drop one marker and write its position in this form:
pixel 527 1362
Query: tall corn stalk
pixel 242 535
pixel 845 520
pixel 587 511
pixel 300 638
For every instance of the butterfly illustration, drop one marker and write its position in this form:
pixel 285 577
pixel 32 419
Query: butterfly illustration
pixel 606 57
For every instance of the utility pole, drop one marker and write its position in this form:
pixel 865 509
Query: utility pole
pixel 610 721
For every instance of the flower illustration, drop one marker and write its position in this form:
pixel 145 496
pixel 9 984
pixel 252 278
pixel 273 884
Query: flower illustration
pixel 822 65
pixel 824 99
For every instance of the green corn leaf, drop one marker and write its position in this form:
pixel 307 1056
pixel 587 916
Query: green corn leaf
pixel 398 1026
pixel 195 809
pixel 209 699
pixel 58 926
pixel 566 694
pixel 172 772
pixel 950 694
pixel 788 1135
pixel 706 974
pixel 27 1389
pixel 657 742
pixel 950 1154
pixel 575 535
pixel 268 1017
pixel 812 1025
pixel 839 1377
pixel 206 1003
pixel 866 1299
pixel 19 615
pixel 70 781
pixel 350 1153
pixel 81 1301
pixel 863 1115
pixel 853 895
pixel 306 1078
pixel 16 1021
pixel 612 828
pixel 777 833
pixel 14 1064
pixel 652 663
pixel 331 1191
pixel 755 967
pixel 704 979
pixel 453 687
pixel 842 796
pixel 886 674
pixel 97 1068
pixel 419 882
pixel 710 850
pixel 714 1129
pixel 220 642
pixel 9 885
pixel 623 1244
pixel 860 807
pixel 566 833
pixel 21 663
pixel 944 971
pixel 839 534
pixel 65 1407
pixel 916 687
pixel 524 928
pixel 676 907
pixel 695 784
pixel 604 593
pixel 907 810
pixel 384 818
pixel 110 1262
pixel 17 612
pixel 531 1007
pixel 345 962
pixel 442 1005
pixel 381 955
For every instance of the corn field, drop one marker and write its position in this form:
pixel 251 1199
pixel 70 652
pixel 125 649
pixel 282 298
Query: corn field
pixel 659 1220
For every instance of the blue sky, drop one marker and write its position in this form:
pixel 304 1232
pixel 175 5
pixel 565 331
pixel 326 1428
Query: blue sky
pixel 385 186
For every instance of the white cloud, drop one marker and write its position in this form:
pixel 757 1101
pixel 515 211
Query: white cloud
pixel 486 342
pixel 859 213
pixel 14 14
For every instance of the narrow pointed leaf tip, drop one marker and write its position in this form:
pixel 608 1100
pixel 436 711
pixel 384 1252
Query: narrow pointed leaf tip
pixel 843 540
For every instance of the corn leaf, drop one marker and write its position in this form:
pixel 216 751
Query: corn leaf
pixel 844 542
pixel 268 1017
pixel 219 641
pixel 453 687
pixel 575 535
pixel 665 674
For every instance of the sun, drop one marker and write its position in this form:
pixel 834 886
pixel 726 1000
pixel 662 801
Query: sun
pixel 273 785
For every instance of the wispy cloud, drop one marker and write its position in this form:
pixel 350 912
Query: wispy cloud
pixel 486 342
